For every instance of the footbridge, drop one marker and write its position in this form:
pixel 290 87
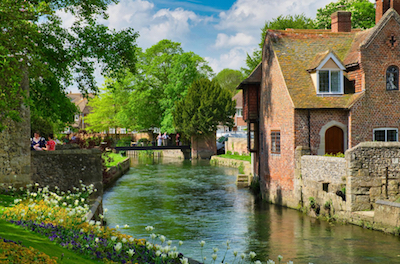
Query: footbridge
pixel 171 151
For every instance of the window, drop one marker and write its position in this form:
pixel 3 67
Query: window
pixel 239 112
pixel 76 118
pixel 276 142
pixel 330 82
pixel 111 131
pixel 385 134
pixel 122 131
pixel 392 78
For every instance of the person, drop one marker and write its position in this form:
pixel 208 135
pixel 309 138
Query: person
pixel 177 138
pixel 165 138
pixel 73 138
pixel 51 144
pixel 37 142
pixel 159 139
pixel 66 139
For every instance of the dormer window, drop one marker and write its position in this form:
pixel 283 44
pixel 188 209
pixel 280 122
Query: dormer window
pixel 330 81
pixel 327 74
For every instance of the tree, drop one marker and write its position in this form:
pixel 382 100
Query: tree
pixel 205 106
pixel 279 23
pixel 34 45
pixel 229 79
pixel 165 72
pixel 362 13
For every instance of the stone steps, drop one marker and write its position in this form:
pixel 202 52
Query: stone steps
pixel 243 180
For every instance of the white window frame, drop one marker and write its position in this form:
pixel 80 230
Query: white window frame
pixel 111 130
pixel 339 69
pixel 122 130
pixel 239 112
pixel 386 129
pixel 76 118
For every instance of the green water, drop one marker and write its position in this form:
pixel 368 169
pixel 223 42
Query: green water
pixel 195 201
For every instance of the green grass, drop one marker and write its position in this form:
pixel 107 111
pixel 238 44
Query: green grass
pixel 41 243
pixel 112 159
pixel 236 157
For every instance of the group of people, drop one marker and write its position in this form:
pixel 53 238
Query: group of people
pixel 162 139
pixel 38 143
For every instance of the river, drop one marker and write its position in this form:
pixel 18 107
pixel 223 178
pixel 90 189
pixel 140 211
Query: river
pixel 195 201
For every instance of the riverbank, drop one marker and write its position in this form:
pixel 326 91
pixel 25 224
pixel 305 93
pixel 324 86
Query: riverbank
pixel 243 165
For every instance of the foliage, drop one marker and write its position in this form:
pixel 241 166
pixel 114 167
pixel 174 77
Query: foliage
pixel 312 201
pixel 236 157
pixel 165 72
pixel 337 155
pixel 205 106
pixel 362 13
pixel 280 23
pixel 124 142
pixel 13 252
pixel 229 79
pixel 36 50
pixel 241 168
pixel 112 159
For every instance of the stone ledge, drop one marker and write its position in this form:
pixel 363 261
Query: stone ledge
pixel 388 203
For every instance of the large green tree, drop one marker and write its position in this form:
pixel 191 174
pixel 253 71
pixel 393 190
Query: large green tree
pixel 34 45
pixel 229 79
pixel 279 23
pixel 362 13
pixel 205 106
pixel 164 73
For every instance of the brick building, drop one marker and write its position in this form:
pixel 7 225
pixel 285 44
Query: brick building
pixel 324 89
pixel 240 124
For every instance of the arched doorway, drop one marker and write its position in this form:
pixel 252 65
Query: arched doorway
pixel 334 141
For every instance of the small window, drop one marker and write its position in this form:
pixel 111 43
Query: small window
pixel 239 112
pixel 386 134
pixel 111 131
pixel 122 131
pixel 276 142
pixel 76 118
pixel 392 78
pixel 330 82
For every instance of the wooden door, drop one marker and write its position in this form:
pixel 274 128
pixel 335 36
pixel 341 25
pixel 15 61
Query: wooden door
pixel 334 140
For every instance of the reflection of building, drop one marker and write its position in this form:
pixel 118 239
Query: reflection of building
pixel 82 105
pixel 326 90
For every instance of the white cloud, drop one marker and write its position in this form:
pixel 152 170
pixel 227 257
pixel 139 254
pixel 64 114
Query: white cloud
pixel 233 59
pixel 240 39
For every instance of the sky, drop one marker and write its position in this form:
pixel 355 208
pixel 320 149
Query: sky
pixel 220 31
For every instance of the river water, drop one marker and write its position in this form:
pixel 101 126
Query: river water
pixel 195 201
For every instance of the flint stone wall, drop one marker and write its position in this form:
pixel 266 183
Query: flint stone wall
pixel 321 177
pixel 373 170
pixel 238 145
pixel 64 168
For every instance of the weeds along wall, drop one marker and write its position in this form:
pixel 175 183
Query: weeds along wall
pixel 65 168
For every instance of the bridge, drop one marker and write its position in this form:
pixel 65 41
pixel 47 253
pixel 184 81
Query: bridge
pixel 182 148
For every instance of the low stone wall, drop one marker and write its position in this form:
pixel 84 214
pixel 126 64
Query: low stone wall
pixel 387 214
pixel 65 168
pixel 321 178
pixel 116 172
pixel 238 145
pixel 233 163
pixel 168 153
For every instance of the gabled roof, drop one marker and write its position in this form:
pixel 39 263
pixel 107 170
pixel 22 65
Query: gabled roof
pixel 239 99
pixel 254 77
pixel 80 101
pixel 297 51
pixel 321 58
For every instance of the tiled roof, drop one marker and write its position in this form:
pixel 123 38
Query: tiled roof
pixel 254 77
pixel 299 50
pixel 239 99
pixel 80 101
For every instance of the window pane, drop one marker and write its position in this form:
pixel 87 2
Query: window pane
pixel 379 135
pixel 335 81
pixel 323 81
pixel 275 142
pixel 391 135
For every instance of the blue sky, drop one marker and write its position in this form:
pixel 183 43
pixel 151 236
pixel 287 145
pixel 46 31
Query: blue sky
pixel 220 31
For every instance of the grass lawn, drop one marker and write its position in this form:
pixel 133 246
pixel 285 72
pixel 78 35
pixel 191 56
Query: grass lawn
pixel 41 243
pixel 236 157
pixel 112 159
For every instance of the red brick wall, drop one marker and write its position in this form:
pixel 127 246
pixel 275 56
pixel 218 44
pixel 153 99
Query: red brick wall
pixel 378 107
pixel 239 121
pixel 358 77
pixel 341 21
pixel 318 118
pixel 276 113
pixel 250 102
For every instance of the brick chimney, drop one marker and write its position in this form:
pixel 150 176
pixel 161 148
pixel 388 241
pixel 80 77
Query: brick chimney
pixel 383 5
pixel 341 21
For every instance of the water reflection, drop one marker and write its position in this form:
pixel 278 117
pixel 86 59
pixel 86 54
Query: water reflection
pixel 194 201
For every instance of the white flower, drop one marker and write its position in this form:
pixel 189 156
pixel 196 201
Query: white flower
pixel 202 243
pixel 126 226
pixel 228 242
pixel 242 256
pixel 105 210
pixel 270 261
pixel 257 262
pixel 184 261
pixel 149 228
pixel 124 240
pixel 98 223
pixel 163 255
pixel 252 254
pixel 158 253
pixel 162 238
pixel 117 227
pixel 215 249
pixel 214 256
pixel 91 222
pixel 118 246
pixel 130 252
pixel 131 239
pixel 153 236
pixel 280 257
pixel 235 253
pixel 97 240
pixel 290 262
pixel 113 238
pixel 180 243
pixel 169 242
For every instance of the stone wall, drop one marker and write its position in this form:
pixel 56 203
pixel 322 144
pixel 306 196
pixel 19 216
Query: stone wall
pixel 116 172
pixel 373 173
pixel 15 156
pixel 238 145
pixel 203 147
pixel 233 163
pixel 65 168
